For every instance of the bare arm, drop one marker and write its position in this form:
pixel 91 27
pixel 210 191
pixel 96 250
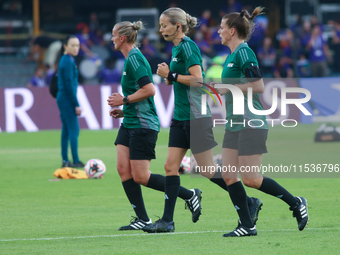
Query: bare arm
pixel 143 93
pixel 277 74
pixel 86 50
pixel 335 39
pixel 328 53
pixel 289 73
pixel 195 72
pixel 258 86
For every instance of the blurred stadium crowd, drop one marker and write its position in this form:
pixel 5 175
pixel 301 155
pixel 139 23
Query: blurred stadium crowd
pixel 306 48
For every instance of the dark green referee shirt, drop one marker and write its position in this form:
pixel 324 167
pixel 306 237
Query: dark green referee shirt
pixel 233 73
pixel 141 114
pixel 187 99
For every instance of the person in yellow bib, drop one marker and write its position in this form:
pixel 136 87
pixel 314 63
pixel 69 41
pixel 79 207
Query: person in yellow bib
pixel 244 144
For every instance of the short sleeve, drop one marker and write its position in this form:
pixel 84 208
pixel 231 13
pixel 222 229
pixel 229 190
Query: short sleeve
pixel 191 55
pixel 245 58
pixel 137 67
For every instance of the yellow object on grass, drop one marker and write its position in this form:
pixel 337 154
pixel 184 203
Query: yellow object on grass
pixel 70 173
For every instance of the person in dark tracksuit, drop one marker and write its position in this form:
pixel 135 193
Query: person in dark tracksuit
pixel 67 101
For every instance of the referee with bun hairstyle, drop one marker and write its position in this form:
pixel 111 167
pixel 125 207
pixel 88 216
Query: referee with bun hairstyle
pixel 137 136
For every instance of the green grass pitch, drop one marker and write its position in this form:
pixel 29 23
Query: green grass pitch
pixel 38 216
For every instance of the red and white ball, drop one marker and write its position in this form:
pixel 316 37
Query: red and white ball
pixel 95 168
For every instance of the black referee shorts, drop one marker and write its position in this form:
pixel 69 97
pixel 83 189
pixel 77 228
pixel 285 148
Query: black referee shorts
pixel 246 141
pixel 141 142
pixel 196 134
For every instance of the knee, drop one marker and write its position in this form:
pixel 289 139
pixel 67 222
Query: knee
pixel 169 169
pixel 140 179
pixel 251 182
pixel 124 172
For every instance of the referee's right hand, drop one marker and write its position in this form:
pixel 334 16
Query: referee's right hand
pixel 78 110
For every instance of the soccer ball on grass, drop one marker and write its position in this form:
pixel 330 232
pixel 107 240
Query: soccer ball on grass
pixel 95 168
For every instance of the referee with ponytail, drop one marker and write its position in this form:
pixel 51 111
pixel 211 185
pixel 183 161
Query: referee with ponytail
pixel 243 145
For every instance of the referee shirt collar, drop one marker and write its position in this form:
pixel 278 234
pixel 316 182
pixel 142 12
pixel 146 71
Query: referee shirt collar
pixel 184 39
pixel 239 46
pixel 134 50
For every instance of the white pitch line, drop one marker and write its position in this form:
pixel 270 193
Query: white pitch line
pixel 146 234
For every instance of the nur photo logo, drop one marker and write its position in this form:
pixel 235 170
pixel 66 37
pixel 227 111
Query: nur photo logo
pixel 238 99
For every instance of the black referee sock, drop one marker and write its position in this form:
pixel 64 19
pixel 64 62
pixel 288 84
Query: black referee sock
pixel 171 192
pixel 238 196
pixel 134 193
pixel 271 187
pixel 157 182
pixel 218 179
pixel 184 193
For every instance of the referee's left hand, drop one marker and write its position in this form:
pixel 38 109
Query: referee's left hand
pixel 221 91
pixel 116 113
pixel 115 99
pixel 167 82
pixel 163 70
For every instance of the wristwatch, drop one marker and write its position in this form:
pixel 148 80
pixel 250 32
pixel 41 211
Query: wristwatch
pixel 126 100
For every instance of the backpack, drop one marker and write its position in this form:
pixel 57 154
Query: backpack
pixel 54 84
